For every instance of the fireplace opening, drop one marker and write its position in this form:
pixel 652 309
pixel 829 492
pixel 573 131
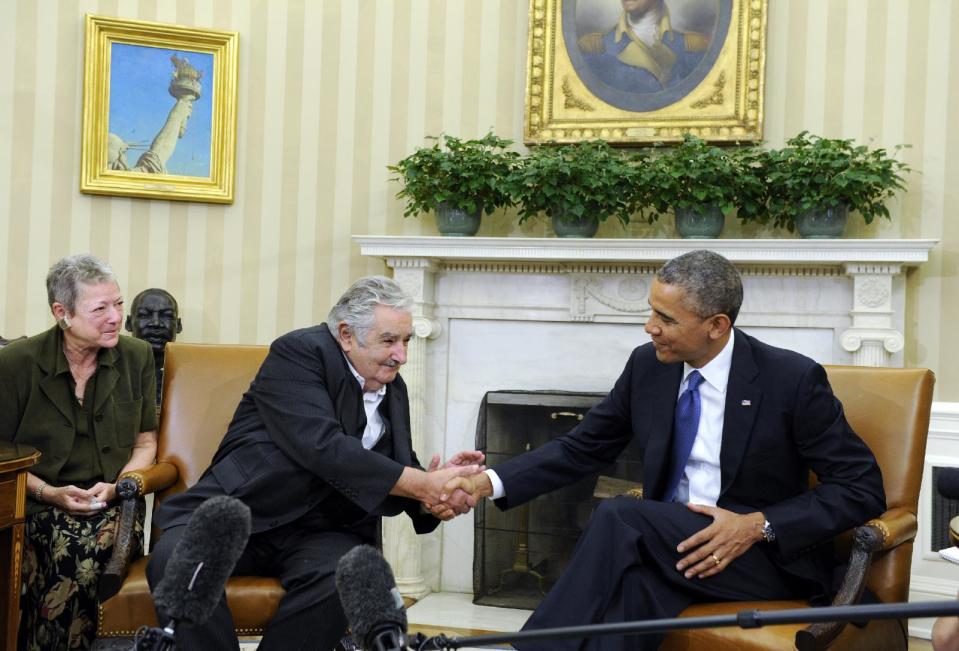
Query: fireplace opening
pixel 520 553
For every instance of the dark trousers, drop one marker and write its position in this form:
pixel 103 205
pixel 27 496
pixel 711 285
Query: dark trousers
pixel 304 560
pixel 624 569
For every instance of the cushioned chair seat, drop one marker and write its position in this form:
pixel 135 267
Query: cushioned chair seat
pixel 253 601
pixel 874 636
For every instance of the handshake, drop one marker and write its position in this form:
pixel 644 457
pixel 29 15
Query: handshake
pixel 455 487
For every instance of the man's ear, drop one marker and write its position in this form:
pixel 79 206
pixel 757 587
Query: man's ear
pixel 344 336
pixel 719 326
pixel 128 325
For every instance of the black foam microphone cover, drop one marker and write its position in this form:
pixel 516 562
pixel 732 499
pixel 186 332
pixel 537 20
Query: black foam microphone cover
pixel 371 600
pixel 947 483
pixel 203 560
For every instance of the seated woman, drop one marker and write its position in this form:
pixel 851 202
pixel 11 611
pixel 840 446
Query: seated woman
pixel 85 398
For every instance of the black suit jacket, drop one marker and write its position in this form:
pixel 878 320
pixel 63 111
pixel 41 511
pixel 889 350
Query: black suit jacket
pixel 781 421
pixel 295 439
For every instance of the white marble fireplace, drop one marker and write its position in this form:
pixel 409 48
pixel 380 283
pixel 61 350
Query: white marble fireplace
pixel 542 314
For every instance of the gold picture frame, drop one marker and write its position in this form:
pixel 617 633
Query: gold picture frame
pixel 590 75
pixel 165 95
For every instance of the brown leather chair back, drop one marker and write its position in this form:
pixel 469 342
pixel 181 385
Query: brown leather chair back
pixel 202 386
pixel 889 408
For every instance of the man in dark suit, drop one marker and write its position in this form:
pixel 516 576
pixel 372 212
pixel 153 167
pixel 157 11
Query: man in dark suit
pixel 729 429
pixel 319 449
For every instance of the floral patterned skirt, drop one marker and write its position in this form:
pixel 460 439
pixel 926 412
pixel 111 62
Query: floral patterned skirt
pixel 62 561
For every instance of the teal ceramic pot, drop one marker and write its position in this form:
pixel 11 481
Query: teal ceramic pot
pixel 454 222
pixel 822 223
pixel 700 223
pixel 574 226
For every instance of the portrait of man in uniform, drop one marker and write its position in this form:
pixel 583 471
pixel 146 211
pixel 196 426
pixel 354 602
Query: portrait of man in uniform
pixel 644 54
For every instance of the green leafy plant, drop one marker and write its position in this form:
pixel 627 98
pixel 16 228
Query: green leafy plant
pixel 586 179
pixel 695 174
pixel 821 173
pixel 465 174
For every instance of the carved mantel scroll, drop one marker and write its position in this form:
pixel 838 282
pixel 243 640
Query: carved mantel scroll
pixel 872 337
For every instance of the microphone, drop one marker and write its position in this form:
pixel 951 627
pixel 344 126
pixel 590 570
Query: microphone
pixel 947 483
pixel 371 600
pixel 202 561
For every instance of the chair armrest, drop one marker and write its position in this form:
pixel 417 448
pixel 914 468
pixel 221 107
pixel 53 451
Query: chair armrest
pixel 896 526
pixel 151 479
pixel 891 529
pixel 131 487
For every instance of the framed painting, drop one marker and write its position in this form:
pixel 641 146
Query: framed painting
pixel 641 71
pixel 159 111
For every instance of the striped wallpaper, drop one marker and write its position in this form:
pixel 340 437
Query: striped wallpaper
pixel 332 91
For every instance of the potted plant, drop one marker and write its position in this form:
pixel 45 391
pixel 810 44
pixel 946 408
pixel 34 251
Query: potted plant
pixel 701 183
pixel 458 180
pixel 814 182
pixel 577 186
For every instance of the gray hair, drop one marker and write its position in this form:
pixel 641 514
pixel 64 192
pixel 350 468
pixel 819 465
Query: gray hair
pixel 712 283
pixel 66 275
pixel 357 305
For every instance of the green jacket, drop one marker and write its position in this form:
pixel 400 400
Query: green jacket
pixel 36 402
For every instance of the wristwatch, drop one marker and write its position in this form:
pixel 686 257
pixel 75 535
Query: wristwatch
pixel 768 534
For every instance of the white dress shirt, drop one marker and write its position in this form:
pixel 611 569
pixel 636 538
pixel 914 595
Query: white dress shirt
pixel 371 402
pixel 702 479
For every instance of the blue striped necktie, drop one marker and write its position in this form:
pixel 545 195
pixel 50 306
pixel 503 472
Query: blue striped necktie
pixel 685 427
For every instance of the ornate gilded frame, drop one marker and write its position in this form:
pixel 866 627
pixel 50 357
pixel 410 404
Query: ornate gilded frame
pixel 722 100
pixel 98 175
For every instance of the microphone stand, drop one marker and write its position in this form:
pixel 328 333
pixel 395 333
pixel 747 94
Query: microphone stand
pixel 743 619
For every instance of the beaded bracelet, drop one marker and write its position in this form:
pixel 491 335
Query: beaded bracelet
pixel 38 494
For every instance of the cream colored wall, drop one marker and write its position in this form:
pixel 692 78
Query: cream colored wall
pixel 331 92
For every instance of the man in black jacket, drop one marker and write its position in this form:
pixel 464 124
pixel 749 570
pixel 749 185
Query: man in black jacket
pixel 319 449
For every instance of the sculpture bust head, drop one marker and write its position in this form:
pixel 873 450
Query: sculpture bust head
pixel 154 317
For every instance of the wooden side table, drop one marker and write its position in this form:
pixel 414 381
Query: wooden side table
pixel 15 459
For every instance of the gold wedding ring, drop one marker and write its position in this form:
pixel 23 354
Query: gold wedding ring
pixel 716 559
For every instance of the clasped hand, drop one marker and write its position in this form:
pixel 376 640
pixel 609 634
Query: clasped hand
pixel 77 501
pixel 461 493
pixel 468 462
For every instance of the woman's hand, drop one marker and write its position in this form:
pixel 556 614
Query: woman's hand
pixel 104 492
pixel 73 500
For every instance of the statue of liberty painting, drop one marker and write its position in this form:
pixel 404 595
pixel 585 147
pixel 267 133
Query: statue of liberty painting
pixel 137 105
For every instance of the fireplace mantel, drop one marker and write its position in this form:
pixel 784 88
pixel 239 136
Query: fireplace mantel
pixel 872 268
pixel 543 313
pixel 537 249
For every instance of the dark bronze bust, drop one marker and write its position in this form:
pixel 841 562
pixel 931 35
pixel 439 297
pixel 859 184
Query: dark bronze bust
pixel 155 318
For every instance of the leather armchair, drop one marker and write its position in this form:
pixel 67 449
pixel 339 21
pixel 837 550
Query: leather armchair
pixel 889 408
pixel 202 385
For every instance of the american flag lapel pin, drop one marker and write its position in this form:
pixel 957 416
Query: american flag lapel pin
pixel 746 403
